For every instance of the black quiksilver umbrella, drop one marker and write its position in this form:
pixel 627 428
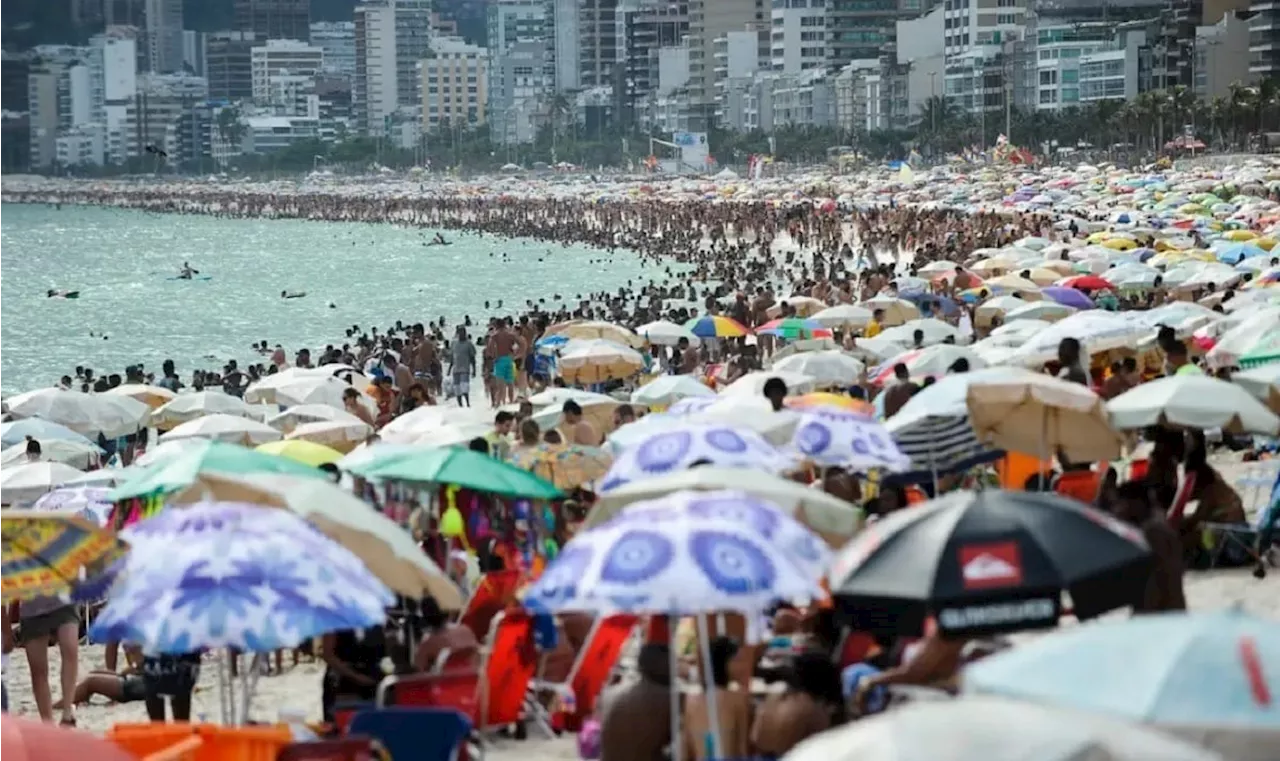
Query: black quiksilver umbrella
pixel 988 562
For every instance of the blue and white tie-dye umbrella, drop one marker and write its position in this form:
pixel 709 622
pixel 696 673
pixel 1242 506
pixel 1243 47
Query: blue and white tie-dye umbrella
pixel 844 439
pixel 89 502
pixel 685 554
pixel 232 575
pixel 678 448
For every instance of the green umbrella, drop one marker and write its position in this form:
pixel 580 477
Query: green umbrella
pixel 181 469
pixel 453 465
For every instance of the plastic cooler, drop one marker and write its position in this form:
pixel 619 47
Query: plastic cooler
pixel 218 743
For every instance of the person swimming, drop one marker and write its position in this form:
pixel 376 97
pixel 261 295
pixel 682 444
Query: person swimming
pixel 292 294
pixel 438 240
pixel 187 272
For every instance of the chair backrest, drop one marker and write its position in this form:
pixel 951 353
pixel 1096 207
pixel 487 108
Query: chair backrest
pixel 448 659
pixel 1081 485
pixel 351 748
pixel 344 711
pixel 458 690
pixel 1181 498
pixel 596 661
pixel 511 659
pixel 494 592
pixel 415 734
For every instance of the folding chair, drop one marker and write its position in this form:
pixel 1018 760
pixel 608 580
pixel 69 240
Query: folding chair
pixel 344 711
pixel 353 748
pixel 1183 496
pixel 591 668
pixel 492 595
pixel 415 734
pixel 1240 538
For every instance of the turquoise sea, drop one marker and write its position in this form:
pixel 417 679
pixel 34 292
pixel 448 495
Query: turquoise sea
pixel 130 310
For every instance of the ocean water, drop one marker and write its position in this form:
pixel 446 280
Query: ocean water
pixel 130 310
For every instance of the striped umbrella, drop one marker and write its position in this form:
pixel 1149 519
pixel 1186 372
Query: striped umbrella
pixel 792 328
pixel 717 326
pixel 933 429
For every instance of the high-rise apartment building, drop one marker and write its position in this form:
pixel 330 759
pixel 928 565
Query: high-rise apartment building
pixel 710 20
pixel 564 42
pixel 598 46
pixel 229 64
pixel 861 30
pixel 391 37
pixel 453 85
pixel 164 36
pixel 1264 39
pixel 511 78
pixel 274 19
pixel 797 35
pixel 282 58
pixel 338 40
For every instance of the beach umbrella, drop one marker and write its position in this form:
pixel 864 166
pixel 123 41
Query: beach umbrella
pixel 1021 411
pixel 1086 283
pixel 23 739
pixel 88 502
pixel 306 389
pixel 843 439
pixel 598 360
pixel 423 420
pixel 1096 331
pixel 829 516
pixel 794 328
pixel 1255 341
pixel 87 414
pixel 566 466
pixel 247 578
pixel 896 311
pixel 1068 297
pixel 933 428
pixel 826 368
pixel 752 384
pixel 1234 253
pixel 184 408
pixel 15 432
pixel 826 400
pixel 805 345
pixel 716 326
pixel 603 331
pixel 304 452
pixel 754 413
pixel 1262 382
pixel 1015 283
pixel 1041 311
pixel 77 454
pixel 24 483
pixel 935 332
pixel 180 469
pixel 152 396
pixel 339 435
pixel 382 545
pixel 454 465
pixel 669 389
pixel 1192 401
pixel 1205 676
pixel 45 554
pixel 665 333
pixel 994 265
pixel 286 420
pixel 675 448
pixel 938 267
pixel 1042 276
pixel 999 305
pixel 843 316
pixel 685 554
pixel 228 428
pixel 108 477
pixel 987 562
pixel 933 360
pixel 989 729
pixel 804 306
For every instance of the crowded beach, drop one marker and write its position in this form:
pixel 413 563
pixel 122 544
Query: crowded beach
pixel 972 462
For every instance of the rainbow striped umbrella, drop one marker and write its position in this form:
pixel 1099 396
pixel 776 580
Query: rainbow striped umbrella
pixel 46 554
pixel 792 328
pixel 825 399
pixel 716 326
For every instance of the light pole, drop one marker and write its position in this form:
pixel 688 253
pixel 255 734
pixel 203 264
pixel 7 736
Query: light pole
pixel 933 102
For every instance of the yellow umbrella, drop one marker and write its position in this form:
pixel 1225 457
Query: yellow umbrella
pixel 993 265
pixel 603 330
pixel 567 467
pixel 1240 235
pixel 596 361
pixel 1035 414
pixel 45 553
pixel 1043 276
pixel 303 451
pixel 1119 244
pixel 1014 283
pixel 1265 243
pixel 1098 237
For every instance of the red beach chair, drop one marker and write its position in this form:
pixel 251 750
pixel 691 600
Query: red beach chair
pixel 592 666
pixel 493 594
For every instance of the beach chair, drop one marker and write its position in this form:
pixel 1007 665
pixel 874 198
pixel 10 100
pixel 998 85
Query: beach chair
pixel 1180 500
pixel 1238 539
pixel 415 734
pixel 591 668
pixel 1080 485
pixel 353 748
pixel 495 591
pixel 344 711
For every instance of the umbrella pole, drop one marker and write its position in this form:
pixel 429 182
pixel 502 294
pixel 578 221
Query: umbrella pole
pixel 708 684
pixel 1044 448
pixel 249 684
pixel 674 664
pixel 224 699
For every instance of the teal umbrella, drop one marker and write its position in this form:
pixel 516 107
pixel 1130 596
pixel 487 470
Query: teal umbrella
pixel 180 470
pixel 453 465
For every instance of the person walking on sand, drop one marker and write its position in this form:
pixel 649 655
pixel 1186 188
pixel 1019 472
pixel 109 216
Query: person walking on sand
pixel 44 619
pixel 463 366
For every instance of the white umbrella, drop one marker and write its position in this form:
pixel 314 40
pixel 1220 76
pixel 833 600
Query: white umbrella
pixel 931 360
pixel 1192 401
pixel 601 331
pixel 935 332
pixel 163 451
pixel 598 360
pixel 1040 310
pixel 1016 333
pixel 228 428
pixel 309 413
pixel 937 267
pixel 992 729
pixel 102 477
pixel 187 407
pixel 334 433
pixel 752 384
pixel 307 389
pixel 1095 330
pixel 751 412
pixel 896 311
pixel 665 333
pixel 804 306
pixel 826 368
pixel 152 396
pixel 452 434
pixel 556 397
pixel 843 316
pixel 406 428
pixel 77 454
pixel 24 484
pixel 670 388
pixel 1258 334
pixel 265 388
pixel 818 510
pixel 86 414
pixel 1263 382
pixel 1032 413
pixel 1000 305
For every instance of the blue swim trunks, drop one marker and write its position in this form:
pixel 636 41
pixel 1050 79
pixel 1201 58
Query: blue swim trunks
pixel 504 369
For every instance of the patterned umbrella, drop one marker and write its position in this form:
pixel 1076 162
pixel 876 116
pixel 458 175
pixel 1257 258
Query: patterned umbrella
pixel 717 326
pixel 837 438
pixel 89 502
pixel 567 467
pixel 247 577
pixel 793 328
pixel 685 554
pixel 826 400
pixel 679 448
pixel 46 554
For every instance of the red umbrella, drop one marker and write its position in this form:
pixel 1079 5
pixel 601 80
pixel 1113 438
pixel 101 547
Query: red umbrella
pixel 28 740
pixel 1087 283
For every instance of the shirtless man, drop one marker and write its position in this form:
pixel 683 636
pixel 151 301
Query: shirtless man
pixel 635 718
pixel 579 431
pixel 507 346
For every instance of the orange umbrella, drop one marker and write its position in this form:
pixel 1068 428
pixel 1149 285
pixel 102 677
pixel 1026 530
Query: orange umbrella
pixel 820 399
pixel 29 740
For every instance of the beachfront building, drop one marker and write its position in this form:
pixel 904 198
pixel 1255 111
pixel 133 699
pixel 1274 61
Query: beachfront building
pixel 274 19
pixel 797 36
pixel 282 59
pixel 1264 39
pixel 979 73
pixel 453 85
pixel 229 64
pixel 802 100
pixel 268 134
pixel 164 36
pixel 1059 49
pixel 113 71
pixel 59 98
pixel 561 30
pixel 338 41
pixel 1117 73
pixel 711 20
pixel 195 48
pixel 735 56
pixel 651 33
pixel 921 58
pixel 155 117
pixel 516 67
pixel 1221 57
pixel 392 37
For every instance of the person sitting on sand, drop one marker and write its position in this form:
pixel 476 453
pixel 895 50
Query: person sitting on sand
pixel 812 703
pixel 442 635
pixel 635 717
pixel 732 706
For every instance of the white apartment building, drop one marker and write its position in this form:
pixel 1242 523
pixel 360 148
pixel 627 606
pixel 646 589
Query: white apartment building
pixel 267 134
pixel 974 35
pixel 392 37
pixel 276 58
pixel 1059 50
pixel 803 100
pixel 709 20
pixel 1112 74
pixel 113 67
pixel 338 41
pixel 517 80
pixel 735 55
pixel 565 48
pixel 454 84
pixel 797 37
pixel 81 147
